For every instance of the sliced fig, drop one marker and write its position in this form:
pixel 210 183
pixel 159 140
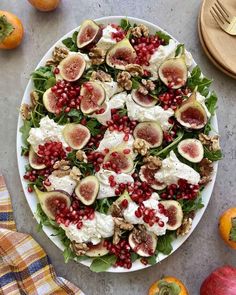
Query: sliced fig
pixel 93 95
pixel 97 250
pixel 191 114
pixel 148 175
pixel 35 160
pixel 50 101
pixel 147 246
pixel 89 33
pixel 173 72
pixel 72 67
pixel 51 201
pixel 174 213
pixel 142 99
pixel 76 135
pixel 120 55
pixel 119 161
pixel 191 149
pixel 151 132
pixel 87 190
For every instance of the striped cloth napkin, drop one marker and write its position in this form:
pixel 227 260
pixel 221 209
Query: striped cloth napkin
pixel 24 266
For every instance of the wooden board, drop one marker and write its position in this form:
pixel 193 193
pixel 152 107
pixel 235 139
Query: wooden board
pixel 214 58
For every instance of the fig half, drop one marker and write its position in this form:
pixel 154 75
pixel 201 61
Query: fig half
pixel 34 160
pixel 97 250
pixel 173 72
pixel 148 175
pixel 191 149
pixel 89 33
pixel 72 67
pixel 76 135
pixel 50 201
pixel 143 100
pixel 191 114
pixel 92 97
pixel 119 161
pixel 50 101
pixel 87 190
pixel 120 55
pixel 147 246
pixel 151 132
pixel 174 214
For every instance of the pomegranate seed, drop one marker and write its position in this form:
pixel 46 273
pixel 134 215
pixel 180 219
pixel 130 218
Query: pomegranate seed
pixel 124 203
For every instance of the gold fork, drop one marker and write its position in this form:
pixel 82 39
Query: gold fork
pixel 224 18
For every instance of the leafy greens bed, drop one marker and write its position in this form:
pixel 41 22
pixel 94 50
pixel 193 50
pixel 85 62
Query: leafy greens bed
pixel 118 140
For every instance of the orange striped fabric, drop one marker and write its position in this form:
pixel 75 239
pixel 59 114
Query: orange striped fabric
pixel 24 266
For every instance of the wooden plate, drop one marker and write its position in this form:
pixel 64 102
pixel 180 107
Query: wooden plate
pixel 221 45
pixel 209 54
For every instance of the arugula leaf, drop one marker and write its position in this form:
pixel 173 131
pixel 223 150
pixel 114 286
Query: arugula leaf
pixel 43 78
pixel 232 235
pixel 212 155
pixel 179 50
pixel 94 126
pixel 134 256
pixel 76 115
pixel 164 244
pixel 101 264
pixel 166 38
pixel 24 130
pixel 24 150
pixel 68 254
pixel 103 205
pixel 125 24
pixel 135 83
pixel 211 102
pixel 152 260
pixel 85 168
pixel 191 205
pixel 70 42
pixel 207 128
pixel 198 80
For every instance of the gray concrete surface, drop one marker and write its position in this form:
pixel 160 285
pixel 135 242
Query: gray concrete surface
pixel 204 250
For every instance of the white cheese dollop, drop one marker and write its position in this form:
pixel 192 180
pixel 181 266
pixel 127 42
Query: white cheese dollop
pixel 152 203
pixel 172 170
pixel 102 226
pixel 105 190
pixel 48 131
pixel 65 183
pixel 188 58
pixel 113 139
pixel 141 114
pixel 163 52
pixel 106 40
pixel 116 102
pixel 111 88
pixel 200 98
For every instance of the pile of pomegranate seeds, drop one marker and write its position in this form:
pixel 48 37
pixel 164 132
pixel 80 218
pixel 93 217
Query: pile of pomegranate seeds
pixel 74 214
pixel 96 158
pixel 172 98
pixel 33 174
pixel 51 152
pixel 145 47
pixel 122 251
pixel 140 191
pixel 149 215
pixel 95 140
pixel 119 35
pixel 67 95
pixel 182 190
pixel 121 123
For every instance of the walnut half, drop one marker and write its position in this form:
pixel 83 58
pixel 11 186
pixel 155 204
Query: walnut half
pixel 140 146
pixel 79 248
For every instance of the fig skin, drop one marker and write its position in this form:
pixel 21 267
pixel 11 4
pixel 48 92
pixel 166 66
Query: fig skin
pixel 97 250
pixel 33 160
pixel 146 101
pixel 191 121
pixel 118 47
pixel 147 247
pixel 72 67
pixel 92 180
pixel 76 132
pixel 150 129
pixel 178 213
pixel 176 70
pixel 44 197
pixel 89 102
pixel 93 40
pixel 49 101
pixel 152 182
pixel 188 147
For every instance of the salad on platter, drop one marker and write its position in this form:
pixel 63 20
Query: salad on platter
pixel 119 143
